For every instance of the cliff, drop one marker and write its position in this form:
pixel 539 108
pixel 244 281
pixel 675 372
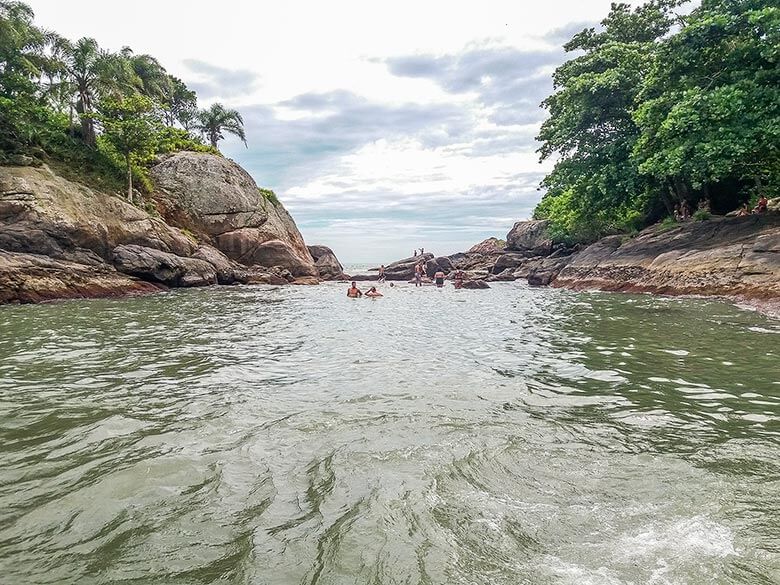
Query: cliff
pixel 207 223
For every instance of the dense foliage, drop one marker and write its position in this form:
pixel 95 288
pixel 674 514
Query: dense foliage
pixel 658 108
pixel 104 115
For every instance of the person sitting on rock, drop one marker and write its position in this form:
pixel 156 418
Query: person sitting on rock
pixel 676 213
pixel 372 292
pixel 439 277
pixel 761 206
pixel 744 210
pixel 354 292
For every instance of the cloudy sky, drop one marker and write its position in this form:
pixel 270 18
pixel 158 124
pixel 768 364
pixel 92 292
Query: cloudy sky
pixel 382 126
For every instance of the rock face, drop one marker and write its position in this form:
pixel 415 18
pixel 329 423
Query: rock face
pixel 219 201
pixel 489 246
pixel 163 267
pixel 530 237
pixel 328 266
pixel 736 257
pixel 64 239
pixel 32 278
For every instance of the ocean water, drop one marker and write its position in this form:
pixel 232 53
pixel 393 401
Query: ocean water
pixel 290 435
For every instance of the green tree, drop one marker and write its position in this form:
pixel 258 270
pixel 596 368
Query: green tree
pixel 710 108
pixel 179 103
pixel 216 120
pixel 131 128
pixel 595 186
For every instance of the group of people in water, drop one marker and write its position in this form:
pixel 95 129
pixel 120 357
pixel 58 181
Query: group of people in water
pixel 420 276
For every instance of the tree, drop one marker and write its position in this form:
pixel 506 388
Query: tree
pixel 710 108
pixel 215 120
pixel 595 186
pixel 130 127
pixel 179 103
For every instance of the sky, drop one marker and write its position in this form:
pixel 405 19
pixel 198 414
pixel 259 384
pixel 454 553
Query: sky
pixel 382 127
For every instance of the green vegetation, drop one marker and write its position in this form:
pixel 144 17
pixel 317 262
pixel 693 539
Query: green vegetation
pixel 660 108
pixel 269 196
pixel 101 116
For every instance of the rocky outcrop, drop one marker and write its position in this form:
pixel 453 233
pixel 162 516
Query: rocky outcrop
pixel 736 257
pixel 217 200
pixel 475 284
pixel 404 269
pixel 328 266
pixel 530 237
pixel 32 278
pixel 489 246
pixel 64 239
pixel 163 267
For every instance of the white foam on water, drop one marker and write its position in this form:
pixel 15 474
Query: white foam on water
pixel 677 352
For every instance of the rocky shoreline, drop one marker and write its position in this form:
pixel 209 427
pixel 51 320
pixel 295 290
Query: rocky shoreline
pixel 205 223
pixel 737 258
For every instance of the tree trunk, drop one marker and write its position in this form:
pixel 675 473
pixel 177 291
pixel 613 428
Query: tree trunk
pixel 129 180
pixel 213 138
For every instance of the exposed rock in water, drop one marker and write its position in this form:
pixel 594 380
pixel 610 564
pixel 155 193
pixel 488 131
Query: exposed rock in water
pixel 219 201
pixel 163 267
pixel 475 284
pixel 530 237
pixel 328 266
pixel 32 278
pixel 736 257
pixel 489 246
pixel 444 263
pixel 404 269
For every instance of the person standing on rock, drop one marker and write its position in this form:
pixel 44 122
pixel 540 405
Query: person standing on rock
pixel 382 277
pixel 418 275
pixel 439 278
pixel 354 292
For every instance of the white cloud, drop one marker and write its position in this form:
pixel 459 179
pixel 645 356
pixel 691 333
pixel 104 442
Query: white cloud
pixel 382 126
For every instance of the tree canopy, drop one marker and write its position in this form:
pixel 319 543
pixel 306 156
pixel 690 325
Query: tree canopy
pixel 658 107
pixel 105 113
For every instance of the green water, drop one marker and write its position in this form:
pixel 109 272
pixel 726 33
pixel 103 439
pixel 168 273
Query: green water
pixel 291 435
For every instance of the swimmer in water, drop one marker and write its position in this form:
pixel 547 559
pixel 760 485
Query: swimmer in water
pixel 372 292
pixel 354 292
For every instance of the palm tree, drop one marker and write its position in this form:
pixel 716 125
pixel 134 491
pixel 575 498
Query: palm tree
pixel 217 119
pixel 87 71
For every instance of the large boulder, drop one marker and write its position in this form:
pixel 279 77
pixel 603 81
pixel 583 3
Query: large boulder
pixel 773 205
pixel 404 269
pixel 32 278
pixel 169 269
pixel 530 237
pixel 219 201
pixel 475 284
pixel 489 246
pixel 445 264
pixel 243 245
pixel 508 260
pixel 228 271
pixel 328 266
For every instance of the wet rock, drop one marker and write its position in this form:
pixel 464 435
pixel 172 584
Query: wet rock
pixel 445 264
pixel 504 276
pixel 245 246
pixel 509 260
pixel 404 269
pixel 164 267
pixel 475 284
pixel 328 266
pixel 32 278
